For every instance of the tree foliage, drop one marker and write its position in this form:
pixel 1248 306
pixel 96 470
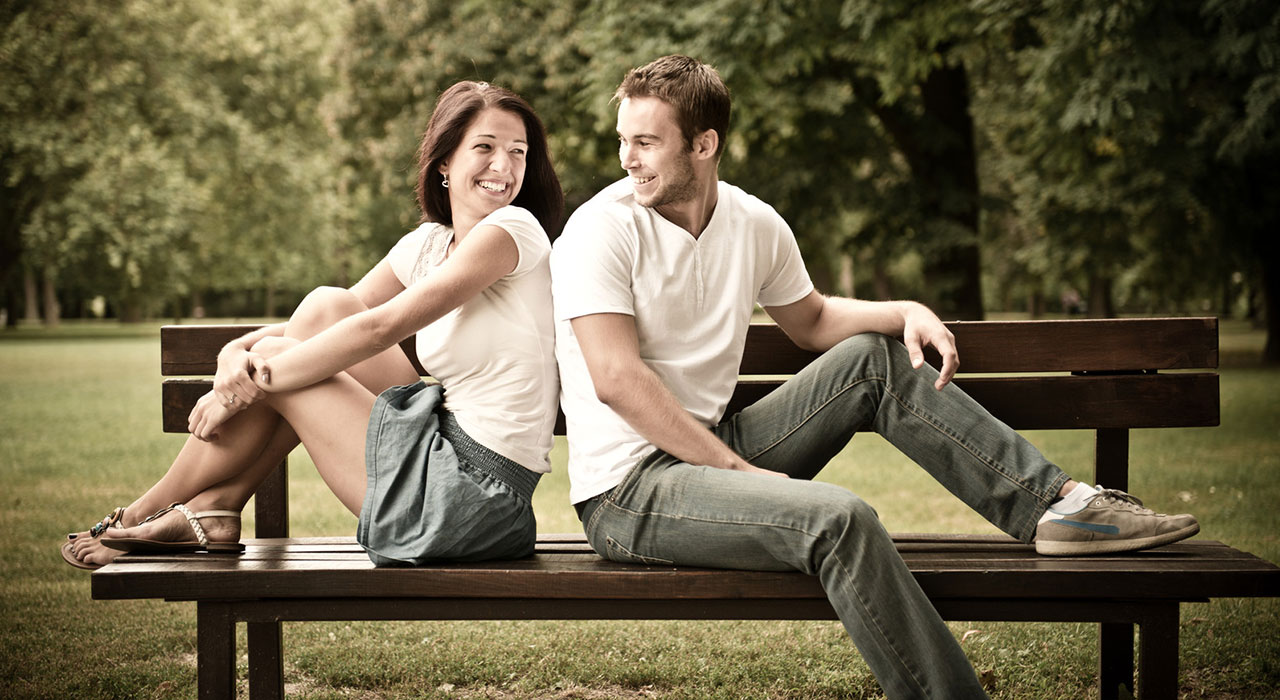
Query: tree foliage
pixel 151 149
pixel 1121 148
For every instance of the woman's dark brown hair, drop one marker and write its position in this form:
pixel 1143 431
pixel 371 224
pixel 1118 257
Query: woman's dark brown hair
pixel 455 110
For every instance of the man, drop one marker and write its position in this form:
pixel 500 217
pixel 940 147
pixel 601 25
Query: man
pixel 655 280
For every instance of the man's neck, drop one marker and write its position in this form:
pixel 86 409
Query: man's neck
pixel 694 214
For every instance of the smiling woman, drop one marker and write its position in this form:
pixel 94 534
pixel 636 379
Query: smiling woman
pixel 417 464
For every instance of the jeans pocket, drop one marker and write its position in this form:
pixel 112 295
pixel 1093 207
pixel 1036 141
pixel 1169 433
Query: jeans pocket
pixel 617 552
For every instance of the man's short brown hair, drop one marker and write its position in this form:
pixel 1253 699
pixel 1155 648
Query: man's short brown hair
pixel 692 88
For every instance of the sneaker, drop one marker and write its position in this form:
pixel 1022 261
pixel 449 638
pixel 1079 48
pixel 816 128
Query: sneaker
pixel 1111 521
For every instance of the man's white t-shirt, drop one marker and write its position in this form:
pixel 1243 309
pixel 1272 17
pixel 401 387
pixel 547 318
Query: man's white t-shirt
pixel 692 300
pixel 494 354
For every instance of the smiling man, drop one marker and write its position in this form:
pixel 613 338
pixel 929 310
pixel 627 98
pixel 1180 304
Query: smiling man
pixel 655 280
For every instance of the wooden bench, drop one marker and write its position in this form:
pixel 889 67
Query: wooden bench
pixel 1107 376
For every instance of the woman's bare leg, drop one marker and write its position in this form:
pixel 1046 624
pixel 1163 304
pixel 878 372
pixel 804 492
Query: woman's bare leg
pixel 223 474
pixel 212 475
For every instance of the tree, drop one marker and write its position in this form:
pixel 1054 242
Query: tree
pixel 127 130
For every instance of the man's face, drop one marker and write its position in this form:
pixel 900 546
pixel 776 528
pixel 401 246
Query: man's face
pixel 653 152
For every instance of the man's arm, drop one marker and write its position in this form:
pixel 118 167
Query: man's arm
pixel 818 322
pixel 624 383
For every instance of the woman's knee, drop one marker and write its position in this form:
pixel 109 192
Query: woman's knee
pixel 272 345
pixel 321 308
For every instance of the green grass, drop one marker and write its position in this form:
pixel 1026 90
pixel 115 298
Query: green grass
pixel 79 433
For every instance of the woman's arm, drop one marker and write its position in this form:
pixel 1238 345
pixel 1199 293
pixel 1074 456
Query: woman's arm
pixel 482 258
pixel 232 384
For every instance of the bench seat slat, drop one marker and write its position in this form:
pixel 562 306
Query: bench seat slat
pixel 1184 571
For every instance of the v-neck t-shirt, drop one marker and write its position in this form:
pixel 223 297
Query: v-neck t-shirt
pixel 691 298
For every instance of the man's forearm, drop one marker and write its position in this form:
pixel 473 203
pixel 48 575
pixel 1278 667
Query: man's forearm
pixel 649 407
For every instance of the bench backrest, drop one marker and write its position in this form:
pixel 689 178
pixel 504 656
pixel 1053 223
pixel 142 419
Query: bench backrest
pixel 1104 375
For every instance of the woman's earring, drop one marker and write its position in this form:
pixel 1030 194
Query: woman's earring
pixel 446 182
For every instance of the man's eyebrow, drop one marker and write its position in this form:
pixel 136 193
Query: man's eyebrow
pixel 651 137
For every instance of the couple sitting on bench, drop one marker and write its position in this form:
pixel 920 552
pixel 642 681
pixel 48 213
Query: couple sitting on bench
pixel 654 283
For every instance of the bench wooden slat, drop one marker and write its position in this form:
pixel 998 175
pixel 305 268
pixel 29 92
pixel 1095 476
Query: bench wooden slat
pixel 1025 403
pixel 1101 345
pixel 1183 571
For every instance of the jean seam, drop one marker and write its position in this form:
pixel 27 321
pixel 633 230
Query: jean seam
pixel 986 460
pixel 869 614
pixel 817 409
pixel 866 610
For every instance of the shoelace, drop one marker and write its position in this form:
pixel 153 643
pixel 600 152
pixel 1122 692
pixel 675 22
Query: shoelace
pixel 1124 500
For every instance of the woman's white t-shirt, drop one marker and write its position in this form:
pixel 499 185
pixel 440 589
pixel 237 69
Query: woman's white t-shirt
pixel 494 354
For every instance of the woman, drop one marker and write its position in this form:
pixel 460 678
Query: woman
pixel 433 471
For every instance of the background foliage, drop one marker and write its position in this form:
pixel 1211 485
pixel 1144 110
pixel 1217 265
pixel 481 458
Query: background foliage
pixel 165 158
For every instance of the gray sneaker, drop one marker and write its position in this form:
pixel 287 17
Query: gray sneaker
pixel 1112 521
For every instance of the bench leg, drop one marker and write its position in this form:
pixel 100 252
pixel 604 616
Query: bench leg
pixel 1115 659
pixel 1158 649
pixel 215 651
pixel 266 661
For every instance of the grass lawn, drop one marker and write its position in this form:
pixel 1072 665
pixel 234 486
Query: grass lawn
pixel 80 434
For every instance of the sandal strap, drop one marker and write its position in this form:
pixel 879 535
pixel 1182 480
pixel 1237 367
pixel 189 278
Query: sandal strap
pixel 194 521
pixel 219 514
pixel 112 520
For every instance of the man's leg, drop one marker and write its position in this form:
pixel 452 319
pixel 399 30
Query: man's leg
pixel 867 383
pixel 671 512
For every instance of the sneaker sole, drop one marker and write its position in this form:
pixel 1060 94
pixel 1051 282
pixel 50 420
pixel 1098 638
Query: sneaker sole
pixel 1065 549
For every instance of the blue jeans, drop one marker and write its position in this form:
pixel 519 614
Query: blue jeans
pixel 670 512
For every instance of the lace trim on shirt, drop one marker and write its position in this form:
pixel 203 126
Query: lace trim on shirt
pixel 434 247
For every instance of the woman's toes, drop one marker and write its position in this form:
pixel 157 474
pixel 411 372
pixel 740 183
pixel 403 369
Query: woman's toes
pixel 92 551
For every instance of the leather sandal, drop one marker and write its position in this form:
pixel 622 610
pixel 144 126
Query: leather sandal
pixel 140 545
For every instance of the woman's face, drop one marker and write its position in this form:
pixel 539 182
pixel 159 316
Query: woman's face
pixel 486 170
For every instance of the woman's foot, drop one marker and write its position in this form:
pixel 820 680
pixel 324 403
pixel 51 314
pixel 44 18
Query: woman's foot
pixel 212 530
pixel 85 552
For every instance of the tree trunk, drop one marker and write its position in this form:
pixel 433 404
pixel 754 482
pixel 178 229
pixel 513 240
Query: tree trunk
pixel 49 294
pixel 197 304
pixel 954 168
pixel 845 283
pixel 939 148
pixel 1271 306
pixel 269 306
pixel 31 296
pixel 883 283
pixel 1100 305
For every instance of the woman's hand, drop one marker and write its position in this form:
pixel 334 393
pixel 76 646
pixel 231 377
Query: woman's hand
pixel 209 415
pixel 233 383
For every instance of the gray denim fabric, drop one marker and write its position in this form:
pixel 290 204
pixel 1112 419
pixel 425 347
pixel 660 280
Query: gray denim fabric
pixel 436 494
pixel 669 512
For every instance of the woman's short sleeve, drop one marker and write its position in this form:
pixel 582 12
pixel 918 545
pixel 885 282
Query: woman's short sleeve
pixel 530 238
pixel 404 255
